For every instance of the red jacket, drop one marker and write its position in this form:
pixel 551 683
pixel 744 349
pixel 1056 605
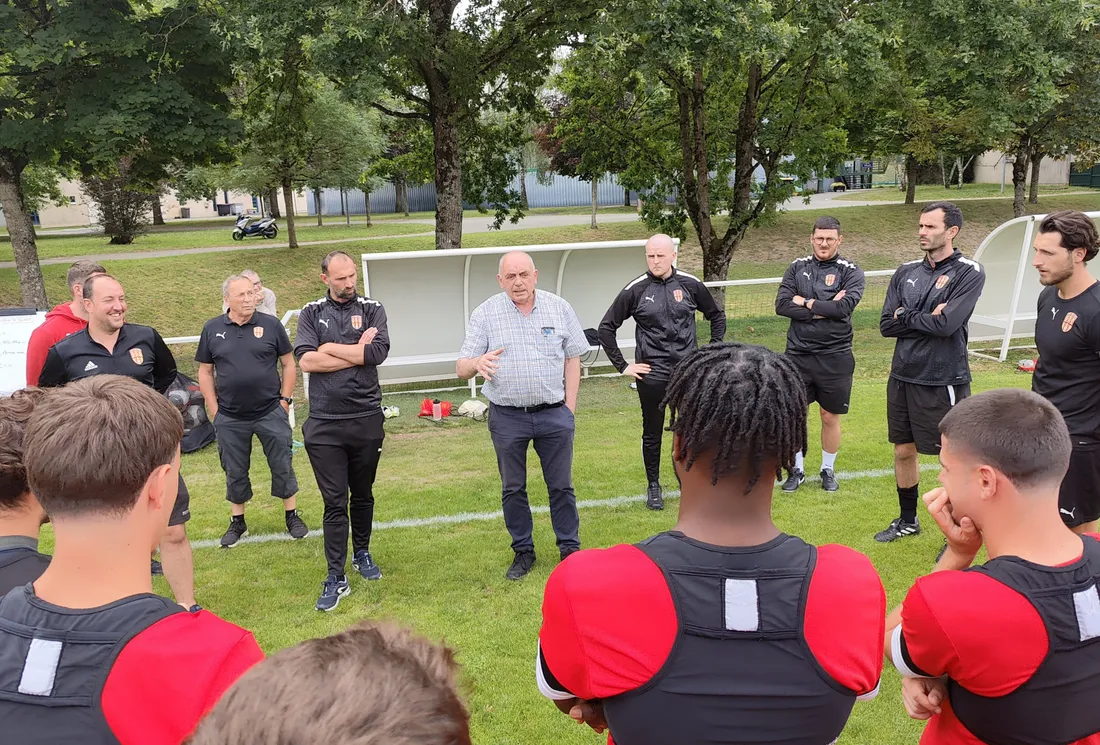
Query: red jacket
pixel 59 323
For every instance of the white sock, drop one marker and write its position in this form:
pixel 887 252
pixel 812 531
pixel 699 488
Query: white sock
pixel 828 460
pixel 798 462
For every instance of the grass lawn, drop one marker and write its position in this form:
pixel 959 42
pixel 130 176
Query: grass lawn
pixel 447 580
pixel 52 246
pixel 932 192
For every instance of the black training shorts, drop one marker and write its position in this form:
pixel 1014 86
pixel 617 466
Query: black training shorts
pixel 181 513
pixel 913 412
pixel 1079 497
pixel 828 379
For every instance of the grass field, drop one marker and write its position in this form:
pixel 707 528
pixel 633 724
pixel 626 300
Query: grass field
pixel 931 192
pixel 446 578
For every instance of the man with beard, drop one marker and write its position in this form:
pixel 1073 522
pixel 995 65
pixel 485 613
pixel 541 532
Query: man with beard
pixel 110 346
pixel 819 293
pixel 928 304
pixel 1067 335
pixel 341 340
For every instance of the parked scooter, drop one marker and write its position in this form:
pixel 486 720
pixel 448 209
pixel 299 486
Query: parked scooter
pixel 265 228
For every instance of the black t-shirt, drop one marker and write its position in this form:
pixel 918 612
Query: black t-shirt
pixel 140 353
pixel 246 361
pixel 20 562
pixel 1067 335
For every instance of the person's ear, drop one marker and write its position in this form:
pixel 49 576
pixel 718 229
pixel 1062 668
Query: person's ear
pixel 677 442
pixel 989 480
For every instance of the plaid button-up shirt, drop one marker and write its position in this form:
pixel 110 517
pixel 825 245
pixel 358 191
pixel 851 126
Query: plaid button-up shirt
pixel 531 370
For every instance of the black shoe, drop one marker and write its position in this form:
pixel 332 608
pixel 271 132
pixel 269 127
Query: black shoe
pixel 364 564
pixel 237 528
pixel 156 569
pixel 794 480
pixel 332 589
pixel 295 526
pixel 898 529
pixel 654 498
pixel 194 608
pixel 567 552
pixel 521 565
pixel 828 480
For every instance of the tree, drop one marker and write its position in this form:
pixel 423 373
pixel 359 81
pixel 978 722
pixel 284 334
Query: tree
pixel 731 98
pixel 587 131
pixel 275 41
pixel 446 71
pixel 123 202
pixel 86 82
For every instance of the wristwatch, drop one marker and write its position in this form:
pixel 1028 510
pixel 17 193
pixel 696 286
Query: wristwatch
pixel 289 401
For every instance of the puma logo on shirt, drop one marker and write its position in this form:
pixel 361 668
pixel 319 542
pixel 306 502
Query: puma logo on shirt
pixel 220 335
pixel 324 321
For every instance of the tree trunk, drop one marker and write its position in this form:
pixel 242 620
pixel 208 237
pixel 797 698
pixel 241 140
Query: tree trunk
pixel 1019 179
pixel 344 207
pixel 523 189
pixel 158 215
pixel 21 232
pixel 910 179
pixel 943 171
pixel 626 197
pixel 366 200
pixel 448 169
pixel 319 206
pixel 1033 194
pixel 401 195
pixel 595 200
pixel 961 167
pixel 288 200
pixel 273 202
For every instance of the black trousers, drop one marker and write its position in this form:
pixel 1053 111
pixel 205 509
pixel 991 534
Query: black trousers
pixel 653 425
pixel 344 454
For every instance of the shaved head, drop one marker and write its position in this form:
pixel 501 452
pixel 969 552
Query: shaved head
pixel 660 255
pixel 517 277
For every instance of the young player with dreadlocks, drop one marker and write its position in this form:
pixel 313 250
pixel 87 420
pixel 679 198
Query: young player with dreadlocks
pixel 724 629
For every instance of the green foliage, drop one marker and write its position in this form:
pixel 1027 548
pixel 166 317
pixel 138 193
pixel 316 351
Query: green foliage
pixel 41 186
pixel 123 201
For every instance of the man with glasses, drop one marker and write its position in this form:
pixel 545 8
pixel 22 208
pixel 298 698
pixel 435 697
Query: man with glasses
pixel 819 292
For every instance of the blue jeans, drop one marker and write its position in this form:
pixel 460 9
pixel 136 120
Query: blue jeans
pixel 551 431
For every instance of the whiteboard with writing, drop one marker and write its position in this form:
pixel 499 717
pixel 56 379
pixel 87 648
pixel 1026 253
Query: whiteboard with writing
pixel 16 326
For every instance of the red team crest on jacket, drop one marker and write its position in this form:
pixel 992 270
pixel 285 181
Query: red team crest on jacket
pixel 137 356
pixel 357 322
pixel 679 295
pixel 258 332
pixel 942 281
pixel 1068 321
pixel 830 280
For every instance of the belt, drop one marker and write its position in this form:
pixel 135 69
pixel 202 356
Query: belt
pixel 531 409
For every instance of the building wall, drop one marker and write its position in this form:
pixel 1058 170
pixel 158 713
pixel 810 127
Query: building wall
pixel 81 211
pixel 988 168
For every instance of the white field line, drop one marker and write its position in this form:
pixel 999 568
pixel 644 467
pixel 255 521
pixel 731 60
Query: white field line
pixel 473 517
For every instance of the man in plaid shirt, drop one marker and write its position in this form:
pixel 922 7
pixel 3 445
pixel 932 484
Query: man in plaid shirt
pixel 527 347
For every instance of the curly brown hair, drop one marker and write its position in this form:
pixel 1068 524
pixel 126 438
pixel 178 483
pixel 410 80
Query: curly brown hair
pixel 14 413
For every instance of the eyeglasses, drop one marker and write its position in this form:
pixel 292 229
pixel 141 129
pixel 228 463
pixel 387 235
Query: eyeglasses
pixel 826 241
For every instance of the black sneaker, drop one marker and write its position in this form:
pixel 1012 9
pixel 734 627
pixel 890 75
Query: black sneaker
pixel 654 498
pixel 794 480
pixel 364 564
pixel 237 528
pixel 898 529
pixel 295 526
pixel 567 552
pixel 156 569
pixel 521 565
pixel 332 589
pixel 828 480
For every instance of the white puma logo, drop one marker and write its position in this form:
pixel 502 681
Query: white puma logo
pixel 324 321
pixel 220 335
pixel 1053 313
pixel 806 275
pixel 650 298
pixel 912 282
pixel 1068 512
